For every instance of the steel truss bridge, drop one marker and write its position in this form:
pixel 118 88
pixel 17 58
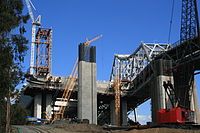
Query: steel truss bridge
pixel 138 70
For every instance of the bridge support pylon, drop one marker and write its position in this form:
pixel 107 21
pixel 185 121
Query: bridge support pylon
pixel 87 91
pixel 123 114
pixel 159 98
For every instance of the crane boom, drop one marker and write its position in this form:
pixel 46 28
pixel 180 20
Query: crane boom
pixel 29 3
pixel 92 40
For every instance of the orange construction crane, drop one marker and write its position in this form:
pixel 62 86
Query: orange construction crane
pixel 87 43
pixel 68 88
pixel 116 85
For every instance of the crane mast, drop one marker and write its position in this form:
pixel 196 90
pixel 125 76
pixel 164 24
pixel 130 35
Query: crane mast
pixel 35 23
pixel 117 88
pixel 189 20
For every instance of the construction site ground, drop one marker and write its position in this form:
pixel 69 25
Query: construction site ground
pixel 89 128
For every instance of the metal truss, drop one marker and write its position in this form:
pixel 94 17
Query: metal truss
pixel 189 34
pixel 189 20
pixel 129 66
pixel 43 44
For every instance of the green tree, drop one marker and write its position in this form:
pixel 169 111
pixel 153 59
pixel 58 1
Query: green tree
pixel 12 51
pixel 18 115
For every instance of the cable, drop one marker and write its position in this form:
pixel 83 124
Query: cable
pixel 170 25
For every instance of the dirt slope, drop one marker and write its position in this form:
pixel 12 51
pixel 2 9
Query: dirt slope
pixel 161 130
pixel 88 128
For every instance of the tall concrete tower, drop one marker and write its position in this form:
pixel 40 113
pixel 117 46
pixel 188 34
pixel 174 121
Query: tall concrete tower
pixel 87 92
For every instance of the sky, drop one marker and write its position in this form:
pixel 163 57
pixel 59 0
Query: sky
pixel 124 24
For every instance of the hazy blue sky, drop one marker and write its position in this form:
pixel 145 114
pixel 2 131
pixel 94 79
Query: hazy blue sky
pixel 123 24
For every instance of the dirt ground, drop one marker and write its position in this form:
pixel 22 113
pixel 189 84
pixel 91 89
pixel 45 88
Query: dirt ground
pixel 87 128
pixel 59 128
pixel 160 130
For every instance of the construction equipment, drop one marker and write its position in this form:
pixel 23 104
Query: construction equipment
pixel 68 88
pixel 180 93
pixel 116 85
pixel 117 88
pixel 43 43
pixel 35 23
pixel 174 114
pixel 87 43
pixel 63 102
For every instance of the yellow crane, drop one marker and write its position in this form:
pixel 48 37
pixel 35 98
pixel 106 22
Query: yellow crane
pixel 87 43
pixel 116 85
pixel 70 85
pixel 117 88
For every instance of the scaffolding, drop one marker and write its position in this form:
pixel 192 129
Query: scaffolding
pixel 43 43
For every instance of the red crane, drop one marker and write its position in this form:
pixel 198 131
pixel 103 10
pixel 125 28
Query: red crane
pixel 180 112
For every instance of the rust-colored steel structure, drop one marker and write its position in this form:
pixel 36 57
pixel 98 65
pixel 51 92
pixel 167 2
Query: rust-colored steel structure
pixel 117 101
pixel 43 44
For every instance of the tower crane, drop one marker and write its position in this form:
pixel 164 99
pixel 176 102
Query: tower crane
pixel 87 43
pixel 35 23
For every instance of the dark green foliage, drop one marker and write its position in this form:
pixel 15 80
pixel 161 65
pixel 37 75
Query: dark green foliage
pixel 11 15
pixel 12 43
pixel 18 115
pixel 12 50
pixel 2 116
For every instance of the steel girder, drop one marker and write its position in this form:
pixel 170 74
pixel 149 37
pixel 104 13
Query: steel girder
pixel 189 20
pixel 129 66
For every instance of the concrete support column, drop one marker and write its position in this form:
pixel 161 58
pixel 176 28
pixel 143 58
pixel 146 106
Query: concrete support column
pixel 48 105
pixel 87 90
pixel 43 104
pixel 194 104
pixel 159 97
pixel 112 113
pixel 87 93
pixel 37 105
pixel 124 113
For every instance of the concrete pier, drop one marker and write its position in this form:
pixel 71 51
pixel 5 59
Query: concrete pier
pixel 158 94
pixel 124 113
pixel 42 105
pixel 48 105
pixel 194 104
pixel 112 113
pixel 38 106
pixel 87 91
